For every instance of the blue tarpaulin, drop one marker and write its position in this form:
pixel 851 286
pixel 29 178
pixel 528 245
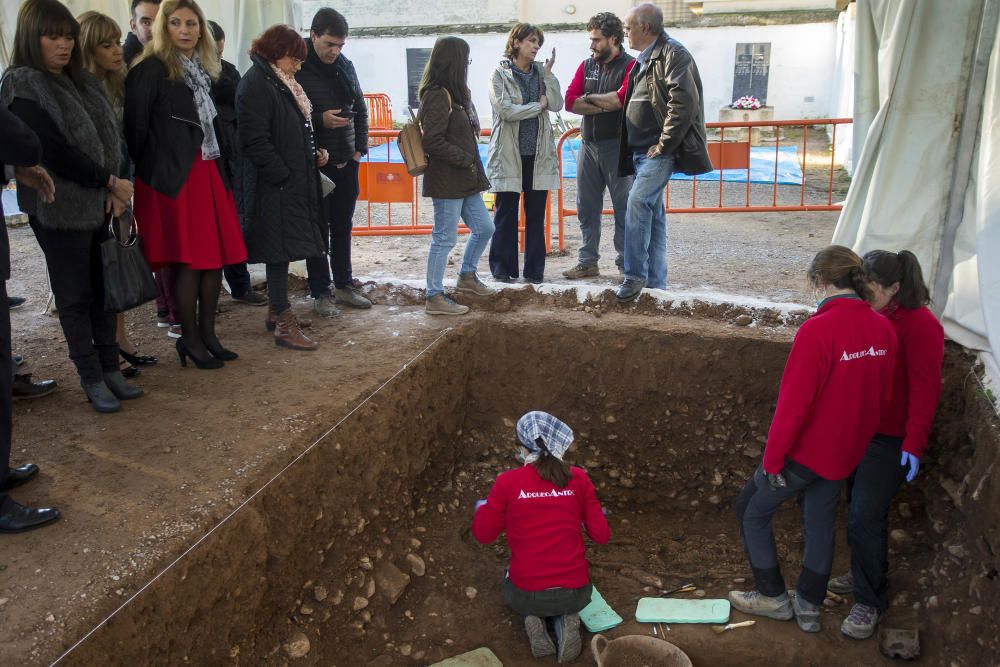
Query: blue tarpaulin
pixel 761 164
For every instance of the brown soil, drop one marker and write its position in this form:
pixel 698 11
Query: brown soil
pixel 670 407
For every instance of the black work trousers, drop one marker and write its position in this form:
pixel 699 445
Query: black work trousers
pixel 870 491
pixel 503 247
pixel 755 510
pixel 339 207
pixel 6 379
pixel 73 259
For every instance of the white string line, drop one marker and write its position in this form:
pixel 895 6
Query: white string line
pixel 250 498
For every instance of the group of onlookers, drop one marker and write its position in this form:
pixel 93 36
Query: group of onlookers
pixel 209 165
pixel 643 120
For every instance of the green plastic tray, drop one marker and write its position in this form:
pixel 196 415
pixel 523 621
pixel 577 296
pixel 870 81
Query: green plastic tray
pixel 481 657
pixel 673 610
pixel 598 615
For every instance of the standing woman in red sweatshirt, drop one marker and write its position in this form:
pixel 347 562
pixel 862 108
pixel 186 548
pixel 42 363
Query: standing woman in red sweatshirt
pixel 541 506
pixel 836 381
pixel 894 453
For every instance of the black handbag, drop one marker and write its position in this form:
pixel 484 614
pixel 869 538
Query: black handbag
pixel 128 282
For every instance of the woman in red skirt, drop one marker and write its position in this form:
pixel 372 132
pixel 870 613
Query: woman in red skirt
pixel 183 199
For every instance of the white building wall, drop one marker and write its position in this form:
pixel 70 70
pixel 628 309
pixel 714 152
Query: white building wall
pixel 368 14
pixel 800 83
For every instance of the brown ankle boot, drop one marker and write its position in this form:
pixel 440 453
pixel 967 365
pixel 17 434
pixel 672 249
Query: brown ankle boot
pixel 288 333
pixel 272 319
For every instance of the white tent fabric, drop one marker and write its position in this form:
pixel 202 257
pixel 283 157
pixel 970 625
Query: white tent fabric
pixel 242 20
pixel 924 181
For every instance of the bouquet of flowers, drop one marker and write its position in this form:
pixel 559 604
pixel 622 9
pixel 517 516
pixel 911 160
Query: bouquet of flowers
pixel 747 102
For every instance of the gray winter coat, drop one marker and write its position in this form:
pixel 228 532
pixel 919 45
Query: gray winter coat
pixel 86 121
pixel 503 166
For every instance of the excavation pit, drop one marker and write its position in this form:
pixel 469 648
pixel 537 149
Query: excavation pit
pixel 360 552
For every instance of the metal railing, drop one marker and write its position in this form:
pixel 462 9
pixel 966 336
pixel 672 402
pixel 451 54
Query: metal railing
pixel 387 184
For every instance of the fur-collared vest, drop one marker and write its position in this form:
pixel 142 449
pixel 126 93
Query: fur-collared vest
pixel 88 122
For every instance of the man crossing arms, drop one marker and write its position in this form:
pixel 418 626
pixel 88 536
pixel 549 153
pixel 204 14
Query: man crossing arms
pixel 597 162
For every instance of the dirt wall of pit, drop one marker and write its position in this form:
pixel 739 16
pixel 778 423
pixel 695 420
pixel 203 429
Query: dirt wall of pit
pixel 238 596
pixel 312 564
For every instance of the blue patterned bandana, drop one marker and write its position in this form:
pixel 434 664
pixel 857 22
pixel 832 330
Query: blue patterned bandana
pixel 556 435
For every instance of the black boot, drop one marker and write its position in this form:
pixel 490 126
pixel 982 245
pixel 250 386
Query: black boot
pixel 120 388
pixel 100 396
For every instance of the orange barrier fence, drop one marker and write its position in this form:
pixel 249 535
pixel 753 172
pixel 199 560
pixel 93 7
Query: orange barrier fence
pixel 733 153
pixel 379 116
pixel 386 183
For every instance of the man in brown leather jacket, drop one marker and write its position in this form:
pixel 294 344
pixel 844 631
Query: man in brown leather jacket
pixel 663 130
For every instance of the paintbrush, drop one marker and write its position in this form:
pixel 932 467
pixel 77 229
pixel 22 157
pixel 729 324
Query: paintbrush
pixel 719 629
pixel 686 588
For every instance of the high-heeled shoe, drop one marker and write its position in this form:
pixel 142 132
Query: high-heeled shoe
pixel 222 353
pixel 202 364
pixel 138 359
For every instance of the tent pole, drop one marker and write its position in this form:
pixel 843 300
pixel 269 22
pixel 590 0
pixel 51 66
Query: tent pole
pixel 965 150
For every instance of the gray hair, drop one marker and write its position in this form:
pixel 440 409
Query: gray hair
pixel 649 16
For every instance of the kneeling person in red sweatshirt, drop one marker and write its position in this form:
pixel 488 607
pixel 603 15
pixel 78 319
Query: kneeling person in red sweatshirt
pixel 837 381
pixel 541 506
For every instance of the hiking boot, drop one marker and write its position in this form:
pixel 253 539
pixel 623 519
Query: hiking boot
pixel 841 585
pixel 439 304
pixel 861 622
pixel 567 630
pixel 758 604
pixel 350 296
pixel 806 613
pixel 323 306
pixel 272 320
pixel 630 289
pixel 538 637
pixel 251 298
pixel 470 282
pixel 582 271
pixel 287 333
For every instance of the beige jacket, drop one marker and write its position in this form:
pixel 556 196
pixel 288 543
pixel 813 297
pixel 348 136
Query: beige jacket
pixel 503 166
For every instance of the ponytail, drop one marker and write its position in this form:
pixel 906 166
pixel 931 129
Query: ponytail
pixel 859 284
pixel 550 468
pixel 913 292
pixel 889 268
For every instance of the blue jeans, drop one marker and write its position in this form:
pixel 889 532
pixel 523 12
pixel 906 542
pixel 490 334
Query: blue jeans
pixel 472 211
pixel 646 221
pixel 597 170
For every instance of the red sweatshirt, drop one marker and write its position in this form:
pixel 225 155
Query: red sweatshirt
pixel 837 380
pixel 916 383
pixel 543 527
pixel 575 89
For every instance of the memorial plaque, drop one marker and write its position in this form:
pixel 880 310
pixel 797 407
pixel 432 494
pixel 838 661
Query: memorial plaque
pixel 753 62
pixel 416 60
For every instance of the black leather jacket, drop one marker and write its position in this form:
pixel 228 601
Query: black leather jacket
pixel 676 95
pixel 162 128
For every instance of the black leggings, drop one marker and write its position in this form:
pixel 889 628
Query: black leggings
pixel 197 298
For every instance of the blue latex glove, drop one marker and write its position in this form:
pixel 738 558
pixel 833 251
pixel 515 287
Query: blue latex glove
pixel 479 503
pixel 913 462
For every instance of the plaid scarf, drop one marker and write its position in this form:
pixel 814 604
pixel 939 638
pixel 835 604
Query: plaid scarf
pixel 556 436
pixel 200 84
